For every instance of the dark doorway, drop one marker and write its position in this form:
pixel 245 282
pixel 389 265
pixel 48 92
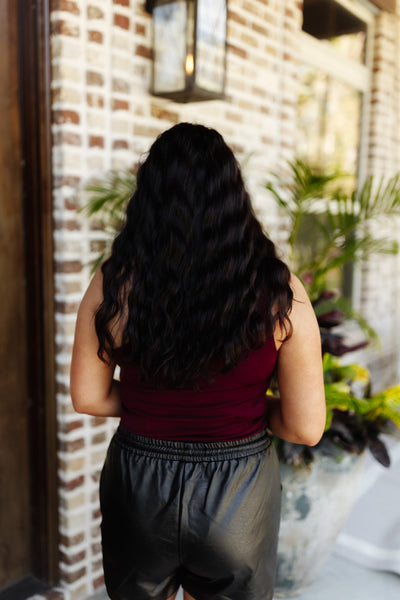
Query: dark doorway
pixel 28 487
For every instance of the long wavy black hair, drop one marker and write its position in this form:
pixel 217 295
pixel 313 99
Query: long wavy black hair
pixel 195 279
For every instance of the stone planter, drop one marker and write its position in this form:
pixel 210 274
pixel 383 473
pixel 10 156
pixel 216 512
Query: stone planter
pixel 315 506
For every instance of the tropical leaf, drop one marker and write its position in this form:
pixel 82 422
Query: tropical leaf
pixel 108 198
pixel 315 200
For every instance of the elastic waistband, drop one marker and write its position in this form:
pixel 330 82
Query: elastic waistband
pixel 192 451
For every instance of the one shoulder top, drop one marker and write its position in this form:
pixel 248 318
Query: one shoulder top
pixel 231 407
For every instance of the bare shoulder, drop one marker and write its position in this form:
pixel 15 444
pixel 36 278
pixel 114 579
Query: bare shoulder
pixel 94 294
pixel 299 292
pixel 302 316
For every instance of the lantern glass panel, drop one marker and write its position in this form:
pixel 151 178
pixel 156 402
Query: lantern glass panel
pixel 210 46
pixel 169 26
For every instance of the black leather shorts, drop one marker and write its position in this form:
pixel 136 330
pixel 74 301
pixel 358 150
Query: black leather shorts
pixel 201 515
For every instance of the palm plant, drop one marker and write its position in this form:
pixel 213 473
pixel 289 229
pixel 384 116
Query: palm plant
pixel 329 229
pixel 108 198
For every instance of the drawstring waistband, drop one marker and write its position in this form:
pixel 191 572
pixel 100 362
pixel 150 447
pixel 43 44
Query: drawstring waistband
pixel 192 451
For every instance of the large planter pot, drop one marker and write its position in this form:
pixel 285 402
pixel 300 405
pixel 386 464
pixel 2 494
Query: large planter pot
pixel 315 504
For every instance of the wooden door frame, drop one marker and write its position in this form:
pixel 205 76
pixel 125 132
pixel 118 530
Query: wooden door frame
pixel 34 55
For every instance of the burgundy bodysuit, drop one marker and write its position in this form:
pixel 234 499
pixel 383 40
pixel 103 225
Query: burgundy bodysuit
pixel 232 407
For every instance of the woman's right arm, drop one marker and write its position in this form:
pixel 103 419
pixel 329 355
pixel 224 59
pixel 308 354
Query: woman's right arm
pixel 299 414
pixel 94 391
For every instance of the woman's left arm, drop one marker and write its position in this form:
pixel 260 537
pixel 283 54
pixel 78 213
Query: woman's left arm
pixel 94 391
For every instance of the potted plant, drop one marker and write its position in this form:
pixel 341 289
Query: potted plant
pixel 320 483
pixel 329 230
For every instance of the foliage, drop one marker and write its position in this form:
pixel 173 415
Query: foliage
pixel 355 418
pixel 108 198
pixel 329 227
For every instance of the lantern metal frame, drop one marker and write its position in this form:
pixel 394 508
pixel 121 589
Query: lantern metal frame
pixel 192 92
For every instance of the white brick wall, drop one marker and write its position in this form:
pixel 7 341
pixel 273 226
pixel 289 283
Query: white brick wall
pixel 380 279
pixel 104 118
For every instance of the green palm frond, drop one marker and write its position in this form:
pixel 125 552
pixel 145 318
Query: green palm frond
pixel 108 198
pixel 330 228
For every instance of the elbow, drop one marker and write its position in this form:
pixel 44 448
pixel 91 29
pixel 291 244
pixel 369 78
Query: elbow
pixel 78 404
pixel 311 434
pixel 308 433
pixel 312 438
pixel 79 401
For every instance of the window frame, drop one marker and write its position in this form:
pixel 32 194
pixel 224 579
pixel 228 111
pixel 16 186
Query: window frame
pixel 325 58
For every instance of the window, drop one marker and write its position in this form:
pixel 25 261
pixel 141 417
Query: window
pixel 333 90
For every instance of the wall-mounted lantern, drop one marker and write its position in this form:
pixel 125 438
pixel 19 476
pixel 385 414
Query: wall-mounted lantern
pixel 189 48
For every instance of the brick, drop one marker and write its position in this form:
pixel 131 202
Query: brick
pixel 96 514
pixel 257 91
pixel 96 421
pixel 140 29
pixel 236 117
pixel 62 27
pixel 72 559
pixel 249 40
pixel 99 438
pixel 96 120
pixel 68 266
pixel 66 286
pixel 120 145
pixel 72 465
pixel 96 548
pixel 96 478
pixel 68 224
pixel 97 246
pixel 98 582
pixel 65 6
pixel 162 113
pixel 71 426
pixel 96 141
pixel 63 73
pixel 233 16
pixel 94 12
pixel 66 307
pixel 95 36
pixel 72 446
pixel 66 116
pixel 121 85
pixel 71 502
pixel 117 104
pixel 264 31
pixel 146 131
pixel 94 78
pixel 122 21
pixel 71 577
pixel 97 457
pixel 241 52
pixel 97 564
pixel 71 203
pixel 61 388
pixel 122 63
pixel 144 51
pixel 96 163
pixel 75 483
pixel 95 100
pixel 71 540
pixel 122 2
pixel 66 95
pixel 67 137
